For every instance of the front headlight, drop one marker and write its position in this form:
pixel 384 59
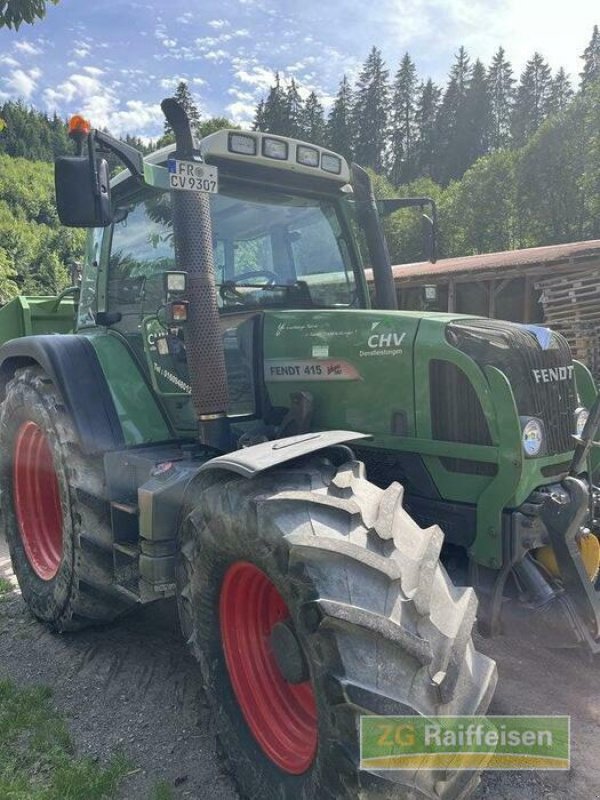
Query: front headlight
pixel 581 417
pixel 532 437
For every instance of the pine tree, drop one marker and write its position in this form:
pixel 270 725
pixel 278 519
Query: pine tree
pixel 453 147
pixel 426 113
pixel 259 117
pixel 561 92
pixel 184 97
pixel 532 103
pixel 294 110
pixel 370 112
pixel 501 87
pixel 591 62
pixel 275 118
pixel 312 120
pixel 338 134
pixel 402 167
pixel 478 115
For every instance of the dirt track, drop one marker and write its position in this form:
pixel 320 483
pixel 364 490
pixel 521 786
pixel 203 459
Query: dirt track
pixel 132 686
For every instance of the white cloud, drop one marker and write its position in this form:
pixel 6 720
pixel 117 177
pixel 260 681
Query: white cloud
pixel 260 77
pixel 241 113
pixel 171 83
pixel 94 71
pixel 217 24
pixel 22 83
pixel 185 19
pixel 216 55
pixel 136 116
pixel 27 47
pixel 432 30
pixel 240 95
pixel 8 60
pixel 101 104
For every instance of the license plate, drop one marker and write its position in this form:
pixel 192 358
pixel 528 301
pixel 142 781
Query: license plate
pixel 189 176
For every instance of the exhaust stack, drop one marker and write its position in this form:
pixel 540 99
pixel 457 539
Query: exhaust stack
pixel 192 234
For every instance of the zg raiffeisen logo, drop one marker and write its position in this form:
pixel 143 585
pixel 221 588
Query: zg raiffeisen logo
pixel 515 743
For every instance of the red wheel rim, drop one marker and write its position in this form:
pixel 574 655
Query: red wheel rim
pixel 37 501
pixel 281 716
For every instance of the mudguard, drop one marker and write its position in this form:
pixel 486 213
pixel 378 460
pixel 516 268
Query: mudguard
pixel 250 461
pixel 72 364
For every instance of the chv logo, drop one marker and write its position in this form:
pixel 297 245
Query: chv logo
pixel 381 341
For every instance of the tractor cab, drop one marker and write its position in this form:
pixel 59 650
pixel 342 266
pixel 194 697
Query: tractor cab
pixel 286 235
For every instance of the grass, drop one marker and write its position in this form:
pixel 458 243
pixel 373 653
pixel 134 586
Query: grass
pixel 37 758
pixel 5 586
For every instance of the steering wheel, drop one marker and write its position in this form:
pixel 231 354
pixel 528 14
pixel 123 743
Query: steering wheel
pixel 272 277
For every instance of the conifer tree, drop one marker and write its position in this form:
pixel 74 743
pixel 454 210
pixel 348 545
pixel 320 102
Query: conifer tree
pixel 532 103
pixel 426 113
pixel 312 122
pixel 501 88
pixel 259 117
pixel 561 92
pixel 402 166
pixel 591 62
pixel 338 133
pixel 453 147
pixel 184 97
pixel 478 115
pixel 275 109
pixel 370 112
pixel 294 110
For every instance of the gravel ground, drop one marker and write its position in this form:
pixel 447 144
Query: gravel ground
pixel 133 687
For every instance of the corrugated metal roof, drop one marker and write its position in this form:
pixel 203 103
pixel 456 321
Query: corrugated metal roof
pixel 557 253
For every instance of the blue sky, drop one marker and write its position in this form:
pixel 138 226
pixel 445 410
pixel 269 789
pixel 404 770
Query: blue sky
pixel 114 60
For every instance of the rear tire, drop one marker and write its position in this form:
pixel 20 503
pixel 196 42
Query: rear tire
pixel 381 627
pixel 65 571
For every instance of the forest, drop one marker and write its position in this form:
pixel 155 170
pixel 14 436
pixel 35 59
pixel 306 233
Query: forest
pixel 510 162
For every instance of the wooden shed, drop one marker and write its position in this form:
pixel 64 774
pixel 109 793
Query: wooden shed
pixel 558 286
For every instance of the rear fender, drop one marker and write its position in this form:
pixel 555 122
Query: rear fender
pixel 71 363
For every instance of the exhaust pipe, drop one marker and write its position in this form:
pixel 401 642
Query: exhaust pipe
pixel 192 234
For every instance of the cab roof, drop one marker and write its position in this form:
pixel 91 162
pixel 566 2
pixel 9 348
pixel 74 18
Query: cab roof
pixel 264 149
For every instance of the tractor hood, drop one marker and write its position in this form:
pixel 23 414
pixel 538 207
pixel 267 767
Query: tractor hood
pixel 359 365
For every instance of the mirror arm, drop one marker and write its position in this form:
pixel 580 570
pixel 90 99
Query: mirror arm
pixel 132 158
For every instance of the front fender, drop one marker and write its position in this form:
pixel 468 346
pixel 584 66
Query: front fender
pixel 251 461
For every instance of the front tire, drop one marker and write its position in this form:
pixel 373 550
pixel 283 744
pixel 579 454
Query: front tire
pixel 53 512
pixel 372 621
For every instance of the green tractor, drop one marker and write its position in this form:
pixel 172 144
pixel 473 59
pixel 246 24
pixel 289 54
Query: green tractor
pixel 195 437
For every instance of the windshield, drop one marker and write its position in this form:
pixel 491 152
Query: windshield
pixel 271 249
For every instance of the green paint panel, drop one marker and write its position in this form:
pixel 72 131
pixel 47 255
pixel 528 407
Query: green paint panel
pixel 137 407
pixel 357 364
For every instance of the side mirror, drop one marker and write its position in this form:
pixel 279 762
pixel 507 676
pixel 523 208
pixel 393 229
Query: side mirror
pixel 83 191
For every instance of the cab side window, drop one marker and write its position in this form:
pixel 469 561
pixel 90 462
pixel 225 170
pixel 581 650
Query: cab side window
pixel 141 251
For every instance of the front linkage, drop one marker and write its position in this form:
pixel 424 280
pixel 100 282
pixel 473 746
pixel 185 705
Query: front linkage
pixel 566 591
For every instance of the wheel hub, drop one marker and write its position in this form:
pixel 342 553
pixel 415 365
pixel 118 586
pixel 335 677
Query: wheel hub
pixel 37 501
pixel 274 693
pixel 288 653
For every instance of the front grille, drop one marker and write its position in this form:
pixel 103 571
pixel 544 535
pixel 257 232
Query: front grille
pixel 539 368
pixel 456 413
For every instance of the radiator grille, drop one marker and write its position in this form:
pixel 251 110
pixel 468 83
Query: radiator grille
pixel 538 365
pixel 456 413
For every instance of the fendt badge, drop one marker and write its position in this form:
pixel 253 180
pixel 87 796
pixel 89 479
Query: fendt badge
pixel 551 374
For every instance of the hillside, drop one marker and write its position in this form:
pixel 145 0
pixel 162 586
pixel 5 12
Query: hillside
pixel 35 251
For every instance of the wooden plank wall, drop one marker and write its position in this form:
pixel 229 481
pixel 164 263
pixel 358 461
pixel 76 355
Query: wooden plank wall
pixel 571 303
